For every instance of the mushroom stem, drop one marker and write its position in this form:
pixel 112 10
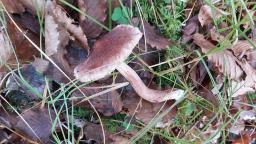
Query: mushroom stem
pixel 143 91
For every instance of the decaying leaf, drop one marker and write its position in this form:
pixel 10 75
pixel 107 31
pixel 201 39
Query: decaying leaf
pixel 56 36
pixel 31 85
pixel 245 50
pixel 62 18
pixel 225 61
pixel 207 14
pixel 40 65
pixel 96 9
pixel 51 36
pixel 93 133
pixel 145 110
pixel 35 124
pixel 13 6
pixel 119 140
pixel 19 6
pixel 23 48
pixel 49 70
pixel 216 36
pixel 108 104
pixel 191 27
pixel 153 38
pixel 33 5
pixel 245 139
pixel 27 21
pixel 75 54
pixel 238 126
pixel 239 88
pixel 211 133
pixel 5 48
pixel 3 136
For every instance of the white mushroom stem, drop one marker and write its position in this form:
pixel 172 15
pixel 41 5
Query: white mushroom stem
pixel 143 91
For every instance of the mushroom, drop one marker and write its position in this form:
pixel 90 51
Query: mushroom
pixel 109 53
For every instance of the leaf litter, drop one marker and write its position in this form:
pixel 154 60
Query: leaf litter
pixel 39 104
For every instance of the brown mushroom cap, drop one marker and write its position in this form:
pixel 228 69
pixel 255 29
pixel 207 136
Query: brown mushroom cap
pixel 103 60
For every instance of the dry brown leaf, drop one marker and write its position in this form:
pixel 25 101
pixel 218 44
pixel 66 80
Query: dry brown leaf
pixel 51 36
pixel 216 36
pixel 66 58
pixel 146 111
pixel 68 23
pixel 28 21
pixel 95 9
pixel 33 5
pixel 107 104
pixel 225 61
pixel 13 6
pixel 238 126
pixel 210 132
pixel 40 65
pixel 39 124
pixel 56 36
pixel 244 139
pixel 207 14
pixel 119 140
pixel 153 38
pixel 5 48
pixel 239 88
pixel 23 48
pixel 93 133
pixel 75 54
pixel 246 86
pixel 3 136
pixel 192 26
pixel 244 49
pixel 19 6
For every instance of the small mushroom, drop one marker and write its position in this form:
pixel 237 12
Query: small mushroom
pixel 109 53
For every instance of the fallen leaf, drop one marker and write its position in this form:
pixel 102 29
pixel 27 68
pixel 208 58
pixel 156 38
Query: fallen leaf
pixel 243 49
pixel 3 136
pixel 225 61
pixel 24 49
pixel 93 133
pixel 5 48
pixel 28 21
pixel 243 139
pixel 13 6
pixel 40 65
pixel 51 36
pixel 146 111
pixel 248 115
pixel 96 9
pixel 30 82
pixel 35 124
pixel 238 127
pixel 7 120
pixel 191 27
pixel 207 14
pixel 119 139
pixel 216 36
pixel 75 54
pixel 107 104
pixel 238 103
pixel 68 23
pixel 153 38
pixel 33 5
pixel 67 59
pixel 250 79
pixel 211 133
